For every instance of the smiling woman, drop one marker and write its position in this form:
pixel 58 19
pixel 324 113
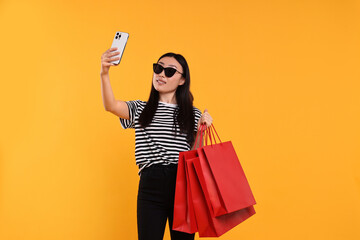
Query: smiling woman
pixel 165 73
pixel 165 125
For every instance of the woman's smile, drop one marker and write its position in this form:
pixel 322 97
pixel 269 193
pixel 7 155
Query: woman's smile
pixel 160 82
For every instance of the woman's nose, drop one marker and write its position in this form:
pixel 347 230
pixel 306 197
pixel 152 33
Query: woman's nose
pixel 162 74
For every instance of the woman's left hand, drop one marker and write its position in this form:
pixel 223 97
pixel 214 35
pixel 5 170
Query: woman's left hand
pixel 205 119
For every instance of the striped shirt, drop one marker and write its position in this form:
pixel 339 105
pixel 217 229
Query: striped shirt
pixel 157 144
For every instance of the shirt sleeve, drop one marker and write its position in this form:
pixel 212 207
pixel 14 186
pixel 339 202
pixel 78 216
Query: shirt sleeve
pixel 133 106
pixel 198 114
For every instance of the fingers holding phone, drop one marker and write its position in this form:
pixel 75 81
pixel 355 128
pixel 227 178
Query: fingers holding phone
pixel 108 57
pixel 119 42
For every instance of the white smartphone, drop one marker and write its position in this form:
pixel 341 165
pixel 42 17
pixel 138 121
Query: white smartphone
pixel 119 41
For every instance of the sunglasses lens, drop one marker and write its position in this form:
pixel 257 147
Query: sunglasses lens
pixel 157 68
pixel 169 72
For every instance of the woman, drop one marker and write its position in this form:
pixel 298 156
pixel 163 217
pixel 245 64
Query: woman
pixel 164 126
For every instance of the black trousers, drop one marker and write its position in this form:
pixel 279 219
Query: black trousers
pixel 155 203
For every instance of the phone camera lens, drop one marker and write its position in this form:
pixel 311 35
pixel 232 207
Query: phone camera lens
pixel 118 35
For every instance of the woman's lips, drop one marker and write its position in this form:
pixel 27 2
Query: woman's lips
pixel 160 81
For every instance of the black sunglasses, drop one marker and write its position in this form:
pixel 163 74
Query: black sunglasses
pixel 169 71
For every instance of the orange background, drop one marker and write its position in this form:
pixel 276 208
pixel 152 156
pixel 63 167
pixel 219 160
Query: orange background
pixel 279 78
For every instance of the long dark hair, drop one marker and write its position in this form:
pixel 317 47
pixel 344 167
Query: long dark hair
pixel 184 113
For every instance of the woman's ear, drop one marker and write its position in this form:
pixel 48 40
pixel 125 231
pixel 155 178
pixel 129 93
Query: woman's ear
pixel 182 81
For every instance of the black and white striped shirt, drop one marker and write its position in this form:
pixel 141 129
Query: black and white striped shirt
pixel 157 144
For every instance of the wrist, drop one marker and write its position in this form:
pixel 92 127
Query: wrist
pixel 104 73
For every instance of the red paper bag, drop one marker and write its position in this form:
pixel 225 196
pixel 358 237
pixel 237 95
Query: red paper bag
pixel 223 180
pixel 208 225
pixel 198 196
pixel 184 216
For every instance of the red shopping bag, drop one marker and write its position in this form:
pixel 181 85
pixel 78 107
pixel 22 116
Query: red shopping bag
pixel 184 216
pixel 223 180
pixel 208 225
pixel 197 197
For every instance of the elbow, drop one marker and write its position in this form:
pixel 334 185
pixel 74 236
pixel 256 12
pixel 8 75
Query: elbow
pixel 107 108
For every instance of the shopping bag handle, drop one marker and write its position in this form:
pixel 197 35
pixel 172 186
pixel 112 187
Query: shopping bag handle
pixel 201 130
pixel 210 134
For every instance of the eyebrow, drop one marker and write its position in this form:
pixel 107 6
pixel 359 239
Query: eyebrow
pixel 169 65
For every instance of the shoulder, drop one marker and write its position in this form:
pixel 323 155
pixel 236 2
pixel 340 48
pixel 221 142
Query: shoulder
pixel 137 102
pixel 136 106
pixel 141 102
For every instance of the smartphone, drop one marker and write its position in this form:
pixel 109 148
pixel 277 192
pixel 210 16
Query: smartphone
pixel 119 41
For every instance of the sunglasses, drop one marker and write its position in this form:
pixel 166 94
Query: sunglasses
pixel 169 71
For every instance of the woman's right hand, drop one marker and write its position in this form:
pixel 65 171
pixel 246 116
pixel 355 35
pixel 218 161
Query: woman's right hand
pixel 107 58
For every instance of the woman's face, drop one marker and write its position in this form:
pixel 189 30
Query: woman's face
pixel 165 84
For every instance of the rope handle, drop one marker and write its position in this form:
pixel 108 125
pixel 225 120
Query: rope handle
pixel 201 130
pixel 210 133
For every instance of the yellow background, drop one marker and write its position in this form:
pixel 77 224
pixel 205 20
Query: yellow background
pixel 279 78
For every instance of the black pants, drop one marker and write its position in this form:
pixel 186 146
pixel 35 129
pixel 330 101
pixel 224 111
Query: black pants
pixel 155 203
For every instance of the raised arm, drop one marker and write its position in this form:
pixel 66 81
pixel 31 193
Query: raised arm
pixel 117 107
